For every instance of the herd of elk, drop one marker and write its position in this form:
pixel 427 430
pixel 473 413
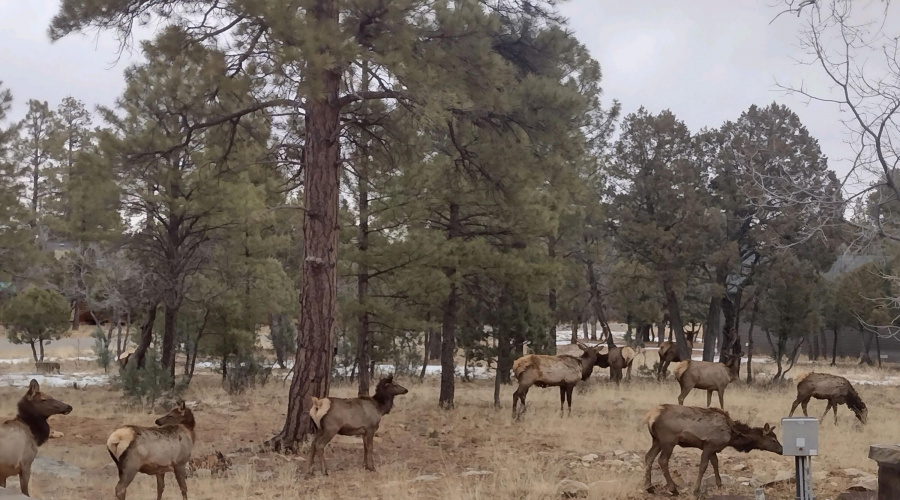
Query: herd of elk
pixel 21 436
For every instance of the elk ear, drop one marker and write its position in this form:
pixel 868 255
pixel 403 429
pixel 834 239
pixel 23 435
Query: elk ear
pixel 390 379
pixel 219 455
pixel 767 428
pixel 581 346
pixel 182 405
pixel 33 388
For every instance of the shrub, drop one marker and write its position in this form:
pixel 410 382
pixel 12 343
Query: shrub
pixel 149 386
pixel 246 372
pixel 101 349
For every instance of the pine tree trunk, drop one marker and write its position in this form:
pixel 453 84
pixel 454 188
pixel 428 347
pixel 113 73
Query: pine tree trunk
pixel 750 344
pixel 276 323
pixel 34 351
pixel 599 306
pixel 593 330
pixel 575 332
pixel 712 326
pixel 448 328
pixel 168 341
pixel 434 345
pixel 146 338
pixel 41 344
pixel 877 348
pixel 834 346
pixel 864 357
pixel 684 351
pixel 362 276
pixel 823 340
pixel 428 335
pixel 729 331
pixel 552 300
pixel 318 302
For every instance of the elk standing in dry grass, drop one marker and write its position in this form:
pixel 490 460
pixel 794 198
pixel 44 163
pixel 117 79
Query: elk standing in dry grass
pixel 21 436
pixel 708 376
pixel 352 417
pixel 668 354
pixel 707 429
pixel 617 359
pixel 837 390
pixel 154 450
pixel 47 367
pixel 561 371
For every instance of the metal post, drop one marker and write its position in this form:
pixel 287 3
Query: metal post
pixel 804 478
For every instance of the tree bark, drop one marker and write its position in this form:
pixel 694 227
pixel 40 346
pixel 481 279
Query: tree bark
pixel 41 344
pixel 552 300
pixel 593 330
pixel 362 276
pixel 34 351
pixel 877 348
pixel 750 344
pixel 729 330
pixel 428 335
pixel 318 302
pixel 684 351
pixel 146 338
pixel 575 332
pixel 866 337
pixel 599 305
pixel 834 347
pixel 169 337
pixel 709 330
pixel 448 328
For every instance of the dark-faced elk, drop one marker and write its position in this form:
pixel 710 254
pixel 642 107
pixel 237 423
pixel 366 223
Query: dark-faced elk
pixel 561 371
pixel 21 436
pixel 352 417
pixel 708 376
pixel 836 390
pixel 668 354
pixel 708 429
pixel 154 450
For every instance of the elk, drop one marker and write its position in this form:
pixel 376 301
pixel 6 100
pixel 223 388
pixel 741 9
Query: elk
pixel 21 436
pixel 668 354
pixel 708 429
pixel 617 359
pixel 154 450
pixel 352 417
pixel 216 463
pixel 706 375
pixel 837 390
pixel 47 367
pixel 123 359
pixel 561 371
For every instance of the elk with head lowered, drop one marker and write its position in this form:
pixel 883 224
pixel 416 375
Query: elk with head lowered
pixel 561 371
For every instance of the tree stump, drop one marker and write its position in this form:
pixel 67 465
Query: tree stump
pixel 888 458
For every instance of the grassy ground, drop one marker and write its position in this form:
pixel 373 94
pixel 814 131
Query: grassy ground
pixel 526 459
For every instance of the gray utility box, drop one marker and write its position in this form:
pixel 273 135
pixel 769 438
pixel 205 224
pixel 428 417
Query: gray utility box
pixel 800 436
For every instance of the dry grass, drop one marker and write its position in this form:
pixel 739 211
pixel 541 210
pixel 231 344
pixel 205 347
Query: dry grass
pixel 527 459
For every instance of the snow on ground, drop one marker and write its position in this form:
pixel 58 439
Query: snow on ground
pixel 82 379
pixel 17 361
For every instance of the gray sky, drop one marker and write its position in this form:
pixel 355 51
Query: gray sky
pixel 706 60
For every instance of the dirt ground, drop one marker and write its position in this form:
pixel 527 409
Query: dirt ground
pixel 422 452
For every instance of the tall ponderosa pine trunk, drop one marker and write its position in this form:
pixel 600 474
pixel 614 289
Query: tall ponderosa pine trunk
pixel 168 340
pixel 684 351
pixel 312 364
pixel 448 323
pixel 750 344
pixel 711 328
pixel 362 282
pixel 551 300
pixel 599 306
pixel 140 353
pixel 866 337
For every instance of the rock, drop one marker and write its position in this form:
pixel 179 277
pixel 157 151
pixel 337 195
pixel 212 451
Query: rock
pixel 783 477
pixel 472 472
pixel 710 481
pixel 739 467
pixel 854 473
pixel 744 480
pixel 203 473
pixel 885 453
pixel 614 463
pixel 56 435
pixel 568 488
pixel 619 453
pixel 590 457
pixel 426 478
pixel 858 495
pixel 865 484
pixel 53 467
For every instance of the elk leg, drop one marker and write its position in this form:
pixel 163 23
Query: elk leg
pixel 322 440
pixel 664 465
pixel 24 477
pixel 569 397
pixel 827 407
pixel 126 476
pixel 704 462
pixel 160 485
pixel 368 446
pixel 714 460
pixel 2 481
pixel 709 398
pixel 803 404
pixel 562 399
pixel 685 390
pixel 648 462
pixel 721 398
pixel 834 406
pixel 181 477
pixel 794 407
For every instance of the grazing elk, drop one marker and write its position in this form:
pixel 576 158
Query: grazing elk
pixel 21 436
pixel 708 376
pixel 837 390
pixel 617 359
pixel 352 417
pixel 216 463
pixel 123 359
pixel 47 367
pixel 668 354
pixel 154 450
pixel 708 429
pixel 561 371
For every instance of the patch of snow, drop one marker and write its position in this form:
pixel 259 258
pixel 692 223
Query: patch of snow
pixel 83 379
pixel 16 361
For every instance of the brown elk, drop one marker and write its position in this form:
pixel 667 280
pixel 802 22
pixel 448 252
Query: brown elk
pixel 154 450
pixel 47 367
pixel 359 416
pixel 561 371
pixel 617 359
pixel 708 376
pixel 668 354
pixel 708 429
pixel 216 463
pixel 21 436
pixel 837 390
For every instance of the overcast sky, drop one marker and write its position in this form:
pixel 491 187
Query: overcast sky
pixel 706 60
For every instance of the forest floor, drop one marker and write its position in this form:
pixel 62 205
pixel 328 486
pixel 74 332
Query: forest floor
pixel 472 452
